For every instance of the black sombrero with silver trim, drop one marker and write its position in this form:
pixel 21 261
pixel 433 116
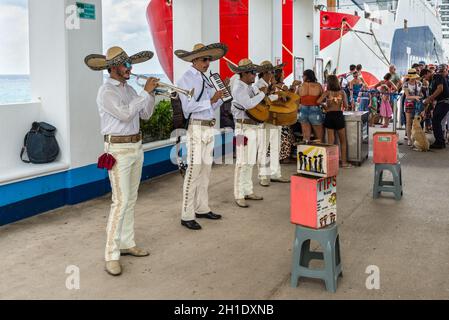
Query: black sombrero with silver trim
pixel 115 56
pixel 215 51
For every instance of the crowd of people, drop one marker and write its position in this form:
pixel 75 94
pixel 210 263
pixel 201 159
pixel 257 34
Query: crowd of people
pixel 423 92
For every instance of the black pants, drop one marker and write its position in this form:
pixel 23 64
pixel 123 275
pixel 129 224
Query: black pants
pixel 438 114
pixel 402 113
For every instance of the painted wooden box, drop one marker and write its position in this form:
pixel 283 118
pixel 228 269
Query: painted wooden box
pixel 320 160
pixel 385 147
pixel 313 201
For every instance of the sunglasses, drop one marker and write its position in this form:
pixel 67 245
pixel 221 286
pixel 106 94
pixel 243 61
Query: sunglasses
pixel 253 72
pixel 127 65
pixel 206 59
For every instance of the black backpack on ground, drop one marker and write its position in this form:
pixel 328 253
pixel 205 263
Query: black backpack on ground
pixel 40 144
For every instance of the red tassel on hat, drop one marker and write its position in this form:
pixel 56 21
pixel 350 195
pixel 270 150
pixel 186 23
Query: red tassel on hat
pixel 239 140
pixel 106 161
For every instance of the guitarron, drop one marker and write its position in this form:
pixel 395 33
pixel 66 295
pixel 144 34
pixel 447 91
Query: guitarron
pixel 260 113
pixel 284 111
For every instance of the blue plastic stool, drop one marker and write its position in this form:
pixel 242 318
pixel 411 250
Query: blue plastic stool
pixel 329 240
pixel 394 186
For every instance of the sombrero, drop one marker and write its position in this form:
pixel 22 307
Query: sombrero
pixel 412 74
pixel 115 56
pixel 215 51
pixel 245 65
pixel 267 66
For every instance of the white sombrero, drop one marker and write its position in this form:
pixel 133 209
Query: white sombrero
pixel 115 56
pixel 215 51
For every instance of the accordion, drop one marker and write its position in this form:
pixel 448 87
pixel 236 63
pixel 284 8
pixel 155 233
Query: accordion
pixel 219 85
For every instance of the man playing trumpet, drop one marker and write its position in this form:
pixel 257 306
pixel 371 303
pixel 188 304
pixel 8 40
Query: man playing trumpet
pixel 120 109
pixel 200 110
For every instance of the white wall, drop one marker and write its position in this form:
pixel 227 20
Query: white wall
pixel 187 30
pixel 277 29
pixel 260 33
pixel 303 25
pixel 48 67
pixel 59 76
pixel 15 121
pixel 211 26
pixel 64 88
pixel 84 122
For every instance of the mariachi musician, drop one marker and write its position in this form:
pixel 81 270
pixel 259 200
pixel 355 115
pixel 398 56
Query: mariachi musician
pixel 272 171
pixel 249 134
pixel 200 110
pixel 120 109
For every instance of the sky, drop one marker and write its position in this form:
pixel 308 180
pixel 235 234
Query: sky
pixel 14 37
pixel 124 24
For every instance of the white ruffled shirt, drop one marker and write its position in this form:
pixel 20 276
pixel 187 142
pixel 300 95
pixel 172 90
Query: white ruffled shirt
pixel 121 108
pixel 203 109
pixel 262 83
pixel 245 97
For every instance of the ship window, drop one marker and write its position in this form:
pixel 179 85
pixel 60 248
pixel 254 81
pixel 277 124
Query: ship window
pixel 131 32
pixel 15 84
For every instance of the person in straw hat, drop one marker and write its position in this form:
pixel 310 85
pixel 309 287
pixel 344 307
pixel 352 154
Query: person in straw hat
pixel 413 94
pixel 120 109
pixel 200 110
pixel 249 134
pixel 270 170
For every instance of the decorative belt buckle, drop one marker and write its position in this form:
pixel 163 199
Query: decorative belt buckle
pixel 212 122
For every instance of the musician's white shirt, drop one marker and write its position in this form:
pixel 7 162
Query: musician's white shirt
pixel 120 108
pixel 233 80
pixel 203 109
pixel 245 97
pixel 262 83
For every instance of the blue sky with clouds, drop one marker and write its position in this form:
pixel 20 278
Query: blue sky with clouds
pixel 124 24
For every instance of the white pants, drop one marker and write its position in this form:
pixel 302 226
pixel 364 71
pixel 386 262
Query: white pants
pixel 200 146
pixel 270 167
pixel 125 179
pixel 247 157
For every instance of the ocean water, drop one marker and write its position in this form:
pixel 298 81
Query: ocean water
pixel 17 88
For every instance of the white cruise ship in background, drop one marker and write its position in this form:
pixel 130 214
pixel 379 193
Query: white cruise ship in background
pixel 399 31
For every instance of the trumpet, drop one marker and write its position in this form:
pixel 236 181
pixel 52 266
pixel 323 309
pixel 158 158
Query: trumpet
pixel 165 89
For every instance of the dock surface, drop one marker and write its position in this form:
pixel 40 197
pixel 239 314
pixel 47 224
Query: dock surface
pixel 246 255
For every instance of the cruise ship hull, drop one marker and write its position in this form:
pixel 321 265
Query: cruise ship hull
pixel 409 34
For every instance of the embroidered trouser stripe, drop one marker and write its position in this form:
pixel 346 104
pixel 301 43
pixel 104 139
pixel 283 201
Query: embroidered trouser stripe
pixel 125 179
pixel 200 145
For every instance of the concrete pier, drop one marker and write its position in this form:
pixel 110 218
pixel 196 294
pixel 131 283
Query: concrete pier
pixel 246 255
